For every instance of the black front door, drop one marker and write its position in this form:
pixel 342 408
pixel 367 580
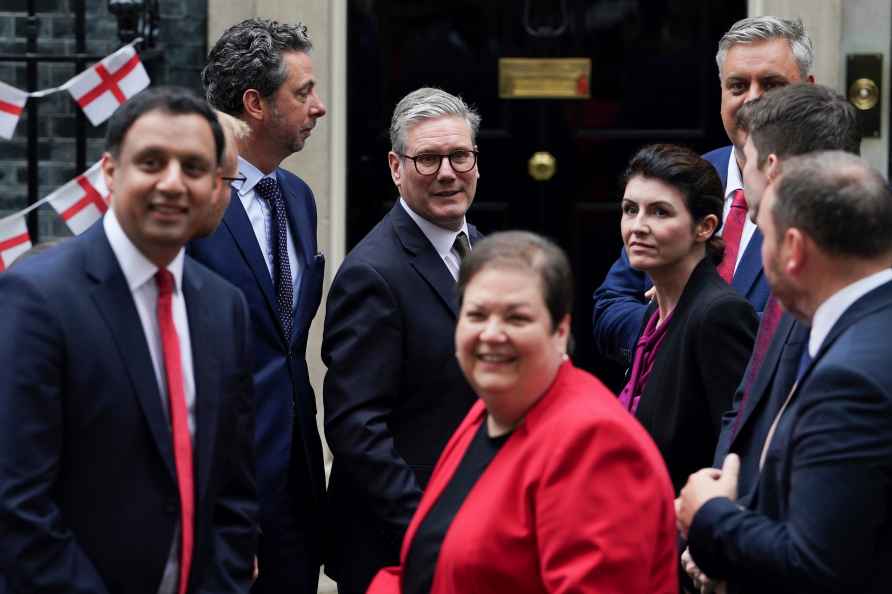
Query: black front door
pixel 654 79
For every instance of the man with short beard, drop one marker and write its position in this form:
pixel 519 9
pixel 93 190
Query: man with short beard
pixel 260 72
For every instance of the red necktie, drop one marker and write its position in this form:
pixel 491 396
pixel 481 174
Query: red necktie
pixel 767 327
pixel 731 235
pixel 179 421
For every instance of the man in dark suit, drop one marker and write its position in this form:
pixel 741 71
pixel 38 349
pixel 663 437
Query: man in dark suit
pixel 818 519
pixel 260 72
pixel 756 54
pixel 784 123
pixel 393 391
pixel 126 403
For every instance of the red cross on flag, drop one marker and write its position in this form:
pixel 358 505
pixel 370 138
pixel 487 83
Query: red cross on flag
pixel 14 240
pixel 82 201
pixel 12 104
pixel 101 89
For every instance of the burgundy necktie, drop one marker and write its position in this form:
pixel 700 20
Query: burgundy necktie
pixel 767 327
pixel 731 235
pixel 179 421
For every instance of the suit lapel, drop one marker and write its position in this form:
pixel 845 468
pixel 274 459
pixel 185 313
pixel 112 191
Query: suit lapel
pixel 115 305
pixel 236 222
pixel 768 372
pixel 424 258
pixel 652 395
pixel 750 268
pixel 878 298
pixel 300 222
pixel 205 370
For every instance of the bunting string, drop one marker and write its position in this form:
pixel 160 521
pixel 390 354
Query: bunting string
pixel 99 91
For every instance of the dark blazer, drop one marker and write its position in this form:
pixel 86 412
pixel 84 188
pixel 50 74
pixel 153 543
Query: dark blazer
pixel 88 491
pixel 820 519
pixel 619 302
pixel 393 394
pixel 290 475
pixel 700 363
pixel 746 436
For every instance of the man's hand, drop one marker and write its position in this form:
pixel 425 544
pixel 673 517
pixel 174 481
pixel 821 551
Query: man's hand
pixel 704 485
pixel 704 584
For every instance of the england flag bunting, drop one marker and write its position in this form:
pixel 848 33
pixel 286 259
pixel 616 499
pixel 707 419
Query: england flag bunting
pixel 12 104
pixel 14 240
pixel 101 89
pixel 83 200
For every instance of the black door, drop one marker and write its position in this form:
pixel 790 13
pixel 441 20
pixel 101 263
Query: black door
pixel 654 79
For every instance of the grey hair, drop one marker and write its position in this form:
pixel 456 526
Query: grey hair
pixel 249 56
pixel 424 104
pixel 764 28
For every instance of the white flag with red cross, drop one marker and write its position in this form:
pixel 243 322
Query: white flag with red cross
pixel 14 240
pixel 12 104
pixel 83 200
pixel 101 89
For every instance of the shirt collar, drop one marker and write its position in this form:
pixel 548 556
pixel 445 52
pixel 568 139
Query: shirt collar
pixel 442 239
pixel 829 312
pixel 252 176
pixel 138 269
pixel 734 179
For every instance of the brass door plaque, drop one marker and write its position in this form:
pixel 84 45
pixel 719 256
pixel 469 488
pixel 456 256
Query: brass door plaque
pixel 545 78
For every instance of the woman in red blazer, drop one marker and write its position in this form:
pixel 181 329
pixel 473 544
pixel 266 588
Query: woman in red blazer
pixel 548 485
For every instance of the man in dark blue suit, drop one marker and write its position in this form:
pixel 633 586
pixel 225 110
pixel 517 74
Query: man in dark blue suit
pixel 126 401
pixel 756 54
pixel 819 518
pixel 786 122
pixel 260 72
pixel 393 391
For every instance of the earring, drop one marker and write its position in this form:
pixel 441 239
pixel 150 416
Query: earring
pixel 565 357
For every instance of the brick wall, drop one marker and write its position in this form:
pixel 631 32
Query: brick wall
pixel 182 34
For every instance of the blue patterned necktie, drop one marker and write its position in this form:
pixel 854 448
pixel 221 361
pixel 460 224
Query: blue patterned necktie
pixel 268 189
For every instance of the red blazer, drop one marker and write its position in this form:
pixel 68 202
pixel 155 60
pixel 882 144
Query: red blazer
pixel 577 500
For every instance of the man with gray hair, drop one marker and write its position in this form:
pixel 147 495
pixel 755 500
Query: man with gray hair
pixel 755 55
pixel 819 519
pixel 261 73
pixel 394 392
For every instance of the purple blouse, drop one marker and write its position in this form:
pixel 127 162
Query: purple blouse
pixel 645 354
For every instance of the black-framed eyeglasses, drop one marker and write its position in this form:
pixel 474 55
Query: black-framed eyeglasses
pixel 240 178
pixel 461 161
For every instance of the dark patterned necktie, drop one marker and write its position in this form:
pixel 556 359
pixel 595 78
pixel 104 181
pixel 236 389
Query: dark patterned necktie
pixel 462 246
pixel 268 189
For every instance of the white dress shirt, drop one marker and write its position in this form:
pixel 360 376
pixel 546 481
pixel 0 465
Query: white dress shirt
pixel 734 183
pixel 442 239
pixel 140 275
pixel 260 215
pixel 829 312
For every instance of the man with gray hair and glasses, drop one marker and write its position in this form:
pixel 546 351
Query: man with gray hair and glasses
pixel 393 391
pixel 755 55
pixel 261 73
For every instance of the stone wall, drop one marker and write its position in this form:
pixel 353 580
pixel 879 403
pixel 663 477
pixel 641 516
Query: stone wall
pixel 182 33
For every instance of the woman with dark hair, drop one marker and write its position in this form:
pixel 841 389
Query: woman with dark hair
pixel 547 485
pixel 698 332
